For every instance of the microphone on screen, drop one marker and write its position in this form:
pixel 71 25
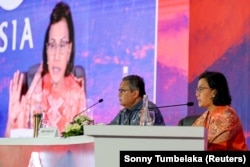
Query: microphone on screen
pixel 174 105
pixel 99 101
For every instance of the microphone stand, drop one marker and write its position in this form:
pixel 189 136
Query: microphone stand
pixel 99 101
pixel 175 105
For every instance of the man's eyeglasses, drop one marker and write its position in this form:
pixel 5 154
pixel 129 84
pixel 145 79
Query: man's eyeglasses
pixel 200 89
pixel 123 90
pixel 52 46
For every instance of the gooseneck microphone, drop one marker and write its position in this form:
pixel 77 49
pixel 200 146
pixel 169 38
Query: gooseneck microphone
pixel 99 101
pixel 175 105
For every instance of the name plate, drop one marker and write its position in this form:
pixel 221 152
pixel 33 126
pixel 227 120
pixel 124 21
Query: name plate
pixel 48 132
pixel 21 133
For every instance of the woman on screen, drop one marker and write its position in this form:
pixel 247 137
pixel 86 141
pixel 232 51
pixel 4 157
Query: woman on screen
pixel 223 125
pixel 54 90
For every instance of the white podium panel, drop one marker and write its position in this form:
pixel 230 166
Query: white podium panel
pixel 47 152
pixel 109 140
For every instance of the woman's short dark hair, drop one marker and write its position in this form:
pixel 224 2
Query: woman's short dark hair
pixel 218 82
pixel 60 11
pixel 136 83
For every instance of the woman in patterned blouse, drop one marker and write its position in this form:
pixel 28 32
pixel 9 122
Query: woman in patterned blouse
pixel 54 89
pixel 223 125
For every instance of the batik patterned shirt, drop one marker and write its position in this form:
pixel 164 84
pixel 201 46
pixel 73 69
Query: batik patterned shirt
pixel 224 129
pixel 132 116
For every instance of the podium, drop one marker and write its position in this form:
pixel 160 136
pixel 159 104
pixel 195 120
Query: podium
pixel 75 151
pixel 109 140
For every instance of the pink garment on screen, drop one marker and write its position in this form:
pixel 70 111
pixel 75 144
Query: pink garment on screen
pixel 59 106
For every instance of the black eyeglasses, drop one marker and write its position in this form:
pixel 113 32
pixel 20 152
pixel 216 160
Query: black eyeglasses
pixel 123 90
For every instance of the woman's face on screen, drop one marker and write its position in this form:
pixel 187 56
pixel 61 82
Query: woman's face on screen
pixel 58 50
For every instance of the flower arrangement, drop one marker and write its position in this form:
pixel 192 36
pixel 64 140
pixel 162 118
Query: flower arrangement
pixel 75 128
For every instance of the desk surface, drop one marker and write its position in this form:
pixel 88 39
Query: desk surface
pixel 47 140
pixel 145 131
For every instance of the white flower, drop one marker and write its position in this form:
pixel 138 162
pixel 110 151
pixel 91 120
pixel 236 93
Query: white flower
pixel 75 126
pixel 68 127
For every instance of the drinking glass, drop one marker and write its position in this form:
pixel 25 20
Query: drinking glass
pixel 147 118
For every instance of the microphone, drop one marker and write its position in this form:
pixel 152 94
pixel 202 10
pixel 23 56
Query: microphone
pixel 186 104
pixel 99 101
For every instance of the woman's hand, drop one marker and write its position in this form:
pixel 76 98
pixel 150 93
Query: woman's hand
pixel 15 106
pixel 20 106
pixel 15 96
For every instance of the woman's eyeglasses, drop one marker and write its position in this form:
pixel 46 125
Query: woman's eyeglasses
pixel 200 89
pixel 62 46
